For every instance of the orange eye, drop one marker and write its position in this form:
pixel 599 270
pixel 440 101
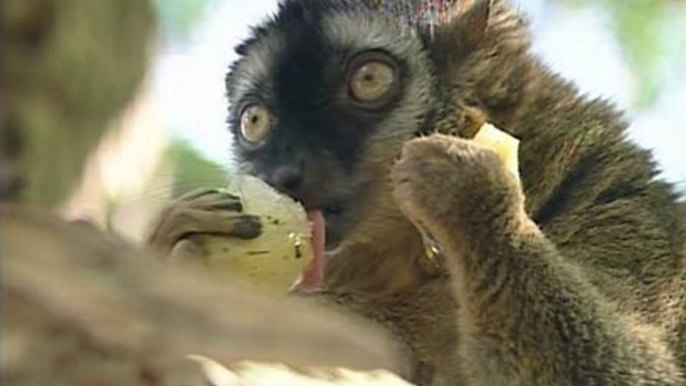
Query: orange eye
pixel 372 81
pixel 255 123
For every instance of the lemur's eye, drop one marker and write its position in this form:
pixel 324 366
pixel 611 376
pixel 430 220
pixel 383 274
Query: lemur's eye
pixel 372 79
pixel 255 123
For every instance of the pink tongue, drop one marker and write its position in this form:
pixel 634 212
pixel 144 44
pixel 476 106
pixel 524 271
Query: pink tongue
pixel 314 273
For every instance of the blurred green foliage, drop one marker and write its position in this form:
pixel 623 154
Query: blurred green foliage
pixel 681 188
pixel 652 35
pixel 192 170
pixel 178 18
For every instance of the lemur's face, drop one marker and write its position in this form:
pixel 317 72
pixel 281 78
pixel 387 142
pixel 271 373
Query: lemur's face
pixel 322 99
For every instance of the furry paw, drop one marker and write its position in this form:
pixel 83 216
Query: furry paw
pixel 203 211
pixel 445 182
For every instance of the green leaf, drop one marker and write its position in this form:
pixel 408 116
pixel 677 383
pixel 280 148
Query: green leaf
pixel 192 170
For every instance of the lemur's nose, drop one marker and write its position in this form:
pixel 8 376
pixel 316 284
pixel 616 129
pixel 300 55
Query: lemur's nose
pixel 286 179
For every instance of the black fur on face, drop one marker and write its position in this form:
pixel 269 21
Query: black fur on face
pixel 296 66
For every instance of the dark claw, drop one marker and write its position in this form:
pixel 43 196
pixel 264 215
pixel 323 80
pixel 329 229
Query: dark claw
pixel 247 227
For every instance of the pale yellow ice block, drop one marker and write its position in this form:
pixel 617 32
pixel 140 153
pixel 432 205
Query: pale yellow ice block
pixel 273 261
pixel 505 145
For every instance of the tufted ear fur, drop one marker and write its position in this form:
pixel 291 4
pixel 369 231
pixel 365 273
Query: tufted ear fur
pixel 474 24
pixel 464 29
pixel 482 61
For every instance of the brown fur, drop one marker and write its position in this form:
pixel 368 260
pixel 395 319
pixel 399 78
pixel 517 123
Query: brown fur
pixel 608 237
pixel 576 276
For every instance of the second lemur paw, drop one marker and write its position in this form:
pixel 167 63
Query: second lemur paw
pixel 445 181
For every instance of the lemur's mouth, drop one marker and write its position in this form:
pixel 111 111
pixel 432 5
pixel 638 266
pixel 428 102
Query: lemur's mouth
pixel 326 223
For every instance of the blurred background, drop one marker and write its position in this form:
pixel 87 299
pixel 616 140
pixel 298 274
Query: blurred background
pixel 174 136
